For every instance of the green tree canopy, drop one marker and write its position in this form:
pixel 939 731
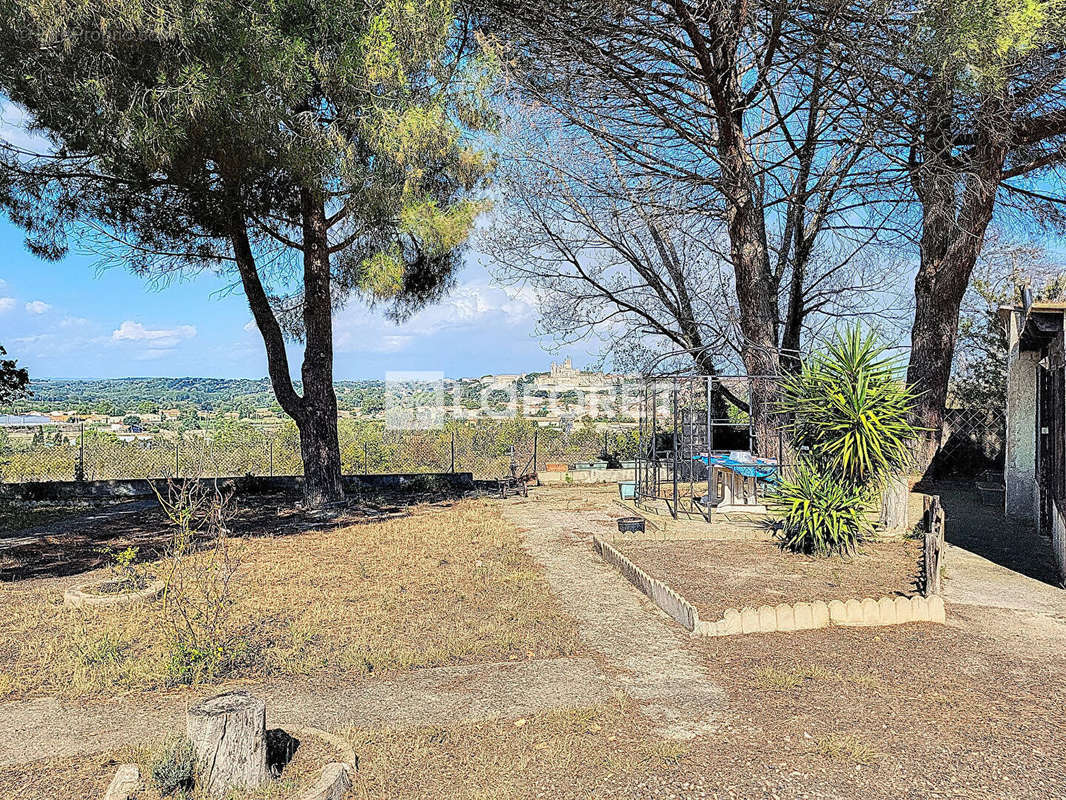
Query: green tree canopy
pixel 315 149
pixel 13 379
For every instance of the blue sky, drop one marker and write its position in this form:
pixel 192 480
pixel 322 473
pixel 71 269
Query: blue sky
pixel 68 320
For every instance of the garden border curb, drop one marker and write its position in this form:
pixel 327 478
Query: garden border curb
pixel 658 592
pixel 78 597
pixel 782 618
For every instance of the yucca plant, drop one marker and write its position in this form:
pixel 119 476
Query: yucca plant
pixel 819 514
pixel 848 410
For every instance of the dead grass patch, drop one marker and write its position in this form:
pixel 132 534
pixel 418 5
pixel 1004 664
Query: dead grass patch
pixel 89 776
pixel 436 588
pixel 846 748
pixel 574 753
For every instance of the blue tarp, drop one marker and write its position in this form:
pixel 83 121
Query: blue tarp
pixel 750 467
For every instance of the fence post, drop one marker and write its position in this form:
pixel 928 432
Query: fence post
pixel 366 459
pixel 79 473
pixel 177 456
pixel 453 451
pixel 270 449
pixel 536 432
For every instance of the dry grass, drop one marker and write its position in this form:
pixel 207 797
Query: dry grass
pixel 576 753
pixel 439 587
pixel 89 776
pixel 798 675
pixel 846 748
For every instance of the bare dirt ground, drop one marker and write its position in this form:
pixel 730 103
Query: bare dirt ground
pixel 715 576
pixel 73 540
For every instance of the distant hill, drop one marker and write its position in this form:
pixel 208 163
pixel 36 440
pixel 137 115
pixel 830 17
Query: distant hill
pixel 143 395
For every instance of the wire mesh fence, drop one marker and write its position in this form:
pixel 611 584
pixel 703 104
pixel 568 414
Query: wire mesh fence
pixel 486 449
pixel 973 442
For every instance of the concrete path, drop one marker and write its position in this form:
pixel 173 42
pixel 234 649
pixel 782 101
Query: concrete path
pixel 49 727
pixel 995 562
pixel 647 648
pixel 1000 579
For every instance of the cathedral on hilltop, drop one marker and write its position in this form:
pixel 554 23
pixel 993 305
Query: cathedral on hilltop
pixel 564 376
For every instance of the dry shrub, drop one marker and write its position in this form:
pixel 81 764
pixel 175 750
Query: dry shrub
pixel 198 569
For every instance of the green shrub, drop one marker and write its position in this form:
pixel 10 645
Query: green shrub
pixel 173 768
pixel 848 410
pixel 819 514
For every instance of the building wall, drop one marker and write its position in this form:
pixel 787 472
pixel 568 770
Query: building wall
pixel 1019 472
pixel 1058 540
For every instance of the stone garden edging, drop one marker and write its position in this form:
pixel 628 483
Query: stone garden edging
pixel 80 597
pixel 335 778
pixel 782 618
pixel 662 595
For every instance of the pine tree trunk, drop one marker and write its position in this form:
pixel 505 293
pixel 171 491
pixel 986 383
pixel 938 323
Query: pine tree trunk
pixel 320 451
pixel 318 425
pixel 951 244
pixel 315 413
pixel 228 735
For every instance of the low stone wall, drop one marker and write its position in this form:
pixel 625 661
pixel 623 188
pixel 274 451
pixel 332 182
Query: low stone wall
pixel 658 592
pixel 448 482
pixel 782 618
pixel 585 476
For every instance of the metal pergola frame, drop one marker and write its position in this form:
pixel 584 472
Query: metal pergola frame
pixel 678 425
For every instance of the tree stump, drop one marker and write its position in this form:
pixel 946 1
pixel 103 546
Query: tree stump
pixel 228 735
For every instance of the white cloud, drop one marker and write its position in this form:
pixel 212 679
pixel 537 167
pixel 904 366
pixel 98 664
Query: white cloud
pixel 38 307
pixel 6 304
pixel 477 305
pixel 155 338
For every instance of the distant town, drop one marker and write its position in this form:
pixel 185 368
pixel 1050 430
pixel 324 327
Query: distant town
pixel 143 409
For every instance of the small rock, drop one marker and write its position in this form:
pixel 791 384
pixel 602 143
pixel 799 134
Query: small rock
pixel 125 783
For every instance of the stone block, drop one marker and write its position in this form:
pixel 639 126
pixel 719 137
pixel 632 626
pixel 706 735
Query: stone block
pixel 125 784
pixel 767 619
pixel 903 610
pixel 838 613
pixel 853 612
pixel 786 618
pixel 871 613
pixel 937 612
pixel 730 625
pixel 803 616
pixel 919 609
pixel 887 608
pixel 820 614
pixel 333 784
pixel 749 620
pixel 704 628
